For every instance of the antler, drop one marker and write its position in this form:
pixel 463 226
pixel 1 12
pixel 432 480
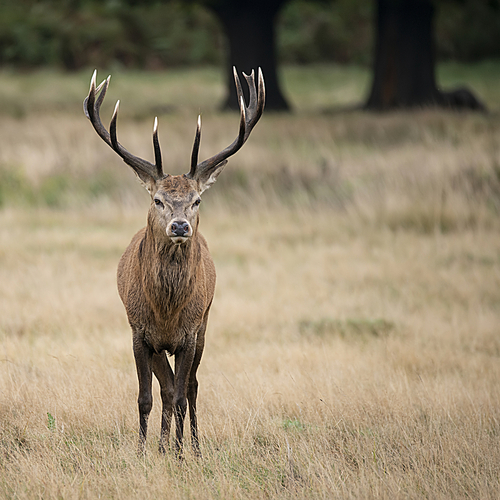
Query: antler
pixel 249 117
pixel 91 106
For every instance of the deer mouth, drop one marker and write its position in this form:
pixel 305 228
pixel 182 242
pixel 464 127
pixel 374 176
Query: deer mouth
pixel 179 240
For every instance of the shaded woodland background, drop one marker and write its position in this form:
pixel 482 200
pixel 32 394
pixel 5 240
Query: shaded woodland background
pixel 401 40
pixel 71 34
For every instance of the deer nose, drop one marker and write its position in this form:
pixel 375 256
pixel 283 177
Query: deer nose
pixel 180 228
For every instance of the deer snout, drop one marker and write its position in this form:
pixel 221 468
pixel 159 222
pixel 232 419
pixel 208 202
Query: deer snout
pixel 180 228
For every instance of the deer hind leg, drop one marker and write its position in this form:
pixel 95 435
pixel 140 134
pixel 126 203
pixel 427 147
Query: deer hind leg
pixel 192 391
pixel 183 363
pixel 165 376
pixel 143 362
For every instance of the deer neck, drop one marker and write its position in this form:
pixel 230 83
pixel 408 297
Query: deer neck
pixel 171 270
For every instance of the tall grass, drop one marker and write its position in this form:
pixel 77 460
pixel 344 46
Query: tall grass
pixel 353 346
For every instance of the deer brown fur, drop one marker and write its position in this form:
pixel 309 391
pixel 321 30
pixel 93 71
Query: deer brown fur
pixel 166 277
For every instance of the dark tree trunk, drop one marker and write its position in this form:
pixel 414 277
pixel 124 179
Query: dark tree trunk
pixel 250 29
pixel 404 71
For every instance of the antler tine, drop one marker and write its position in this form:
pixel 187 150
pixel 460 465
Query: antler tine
pixel 92 106
pixel 257 98
pixel 249 116
pixel 262 88
pixel 243 126
pixel 239 89
pixel 157 149
pixel 261 99
pixel 100 96
pixel 241 102
pixel 196 148
pixel 112 127
pixel 89 97
pixel 251 87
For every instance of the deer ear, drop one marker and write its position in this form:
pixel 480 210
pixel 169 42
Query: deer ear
pixel 147 181
pixel 207 178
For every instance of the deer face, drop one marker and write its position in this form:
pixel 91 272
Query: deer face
pixel 175 208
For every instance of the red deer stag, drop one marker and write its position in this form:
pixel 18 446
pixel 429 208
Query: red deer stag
pixel 166 277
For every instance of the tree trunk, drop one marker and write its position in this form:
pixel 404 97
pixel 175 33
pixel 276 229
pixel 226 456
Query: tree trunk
pixel 250 29
pixel 404 71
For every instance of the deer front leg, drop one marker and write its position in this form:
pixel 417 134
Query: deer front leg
pixel 143 357
pixel 165 376
pixel 183 364
pixel 192 395
pixel 192 392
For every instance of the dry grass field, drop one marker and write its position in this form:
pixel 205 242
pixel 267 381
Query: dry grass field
pixel 353 349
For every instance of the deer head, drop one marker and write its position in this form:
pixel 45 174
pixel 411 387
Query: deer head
pixel 175 199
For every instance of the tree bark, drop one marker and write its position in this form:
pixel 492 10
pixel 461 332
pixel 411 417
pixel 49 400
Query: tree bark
pixel 404 66
pixel 250 29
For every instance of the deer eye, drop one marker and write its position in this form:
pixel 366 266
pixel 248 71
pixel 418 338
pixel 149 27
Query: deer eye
pixel 197 202
pixel 158 203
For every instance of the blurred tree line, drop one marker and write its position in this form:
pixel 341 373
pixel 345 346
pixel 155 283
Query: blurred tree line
pixel 72 34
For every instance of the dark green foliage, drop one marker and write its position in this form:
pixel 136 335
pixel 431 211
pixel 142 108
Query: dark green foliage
pixel 73 34
pixel 468 30
pixel 326 31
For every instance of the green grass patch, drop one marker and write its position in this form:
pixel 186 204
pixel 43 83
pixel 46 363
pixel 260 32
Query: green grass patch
pixel 348 329
pixel 58 190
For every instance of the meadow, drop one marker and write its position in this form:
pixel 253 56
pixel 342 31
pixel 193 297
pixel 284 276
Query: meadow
pixel 353 348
